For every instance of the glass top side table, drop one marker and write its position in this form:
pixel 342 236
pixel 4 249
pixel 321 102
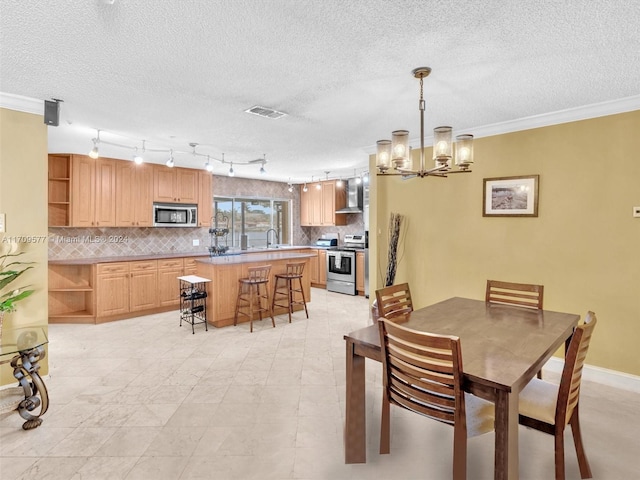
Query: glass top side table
pixel 26 344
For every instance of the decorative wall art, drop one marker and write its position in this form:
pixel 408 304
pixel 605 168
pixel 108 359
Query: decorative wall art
pixel 510 196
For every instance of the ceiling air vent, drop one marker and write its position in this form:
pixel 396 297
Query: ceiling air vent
pixel 265 112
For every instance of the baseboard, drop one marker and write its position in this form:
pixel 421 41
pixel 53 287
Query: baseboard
pixel 604 376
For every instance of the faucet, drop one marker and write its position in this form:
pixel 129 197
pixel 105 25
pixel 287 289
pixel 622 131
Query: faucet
pixel 275 233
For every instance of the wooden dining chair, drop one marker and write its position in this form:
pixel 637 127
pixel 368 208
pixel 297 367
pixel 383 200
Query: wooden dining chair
pixel 520 294
pixel 549 408
pixel 422 372
pixel 394 301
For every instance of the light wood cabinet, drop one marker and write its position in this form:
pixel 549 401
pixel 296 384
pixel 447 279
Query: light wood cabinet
pixel 190 266
pixel 134 195
pixel 318 267
pixel 105 193
pixel 175 185
pixel 205 199
pixel 112 283
pixel 360 272
pixel 83 179
pixel 93 192
pixel 144 284
pixel 319 203
pixel 168 288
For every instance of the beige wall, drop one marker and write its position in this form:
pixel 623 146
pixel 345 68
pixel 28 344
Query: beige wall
pixel 23 198
pixel 583 247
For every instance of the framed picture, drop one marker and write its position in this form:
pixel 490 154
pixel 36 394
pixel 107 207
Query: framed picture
pixel 510 196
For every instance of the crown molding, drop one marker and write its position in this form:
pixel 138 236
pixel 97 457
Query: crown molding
pixel 586 112
pixel 21 104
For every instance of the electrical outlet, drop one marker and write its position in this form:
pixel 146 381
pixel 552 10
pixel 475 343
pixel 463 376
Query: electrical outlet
pixel 196 242
pixel 636 212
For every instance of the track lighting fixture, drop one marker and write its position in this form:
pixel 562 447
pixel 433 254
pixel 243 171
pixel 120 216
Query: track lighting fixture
pixel 138 157
pixel 208 165
pixel 305 188
pixel 94 151
pixel 138 154
pixel 290 186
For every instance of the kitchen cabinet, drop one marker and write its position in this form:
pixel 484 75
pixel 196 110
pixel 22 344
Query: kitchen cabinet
pixel 93 192
pixel 112 283
pixel 144 284
pixel 134 195
pixel 318 268
pixel 168 286
pixel 175 185
pixel 319 203
pixel 360 272
pixel 205 199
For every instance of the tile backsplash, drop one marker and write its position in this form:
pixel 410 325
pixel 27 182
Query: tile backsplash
pixel 65 243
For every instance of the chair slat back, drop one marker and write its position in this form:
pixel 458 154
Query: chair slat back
pixel 510 293
pixel 259 274
pixel 394 301
pixel 569 390
pixel 422 372
pixel 295 269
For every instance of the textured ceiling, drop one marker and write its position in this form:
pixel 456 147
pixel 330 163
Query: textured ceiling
pixel 175 72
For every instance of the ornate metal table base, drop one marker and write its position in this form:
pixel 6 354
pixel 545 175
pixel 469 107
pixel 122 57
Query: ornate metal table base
pixel 25 370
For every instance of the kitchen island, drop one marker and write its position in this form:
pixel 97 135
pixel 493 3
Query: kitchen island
pixel 225 271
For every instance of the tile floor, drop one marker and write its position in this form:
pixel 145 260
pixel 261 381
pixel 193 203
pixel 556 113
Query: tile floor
pixel 146 399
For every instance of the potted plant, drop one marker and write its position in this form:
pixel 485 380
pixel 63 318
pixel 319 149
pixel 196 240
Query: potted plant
pixel 10 270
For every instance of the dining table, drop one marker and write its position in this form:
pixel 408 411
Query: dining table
pixel 503 348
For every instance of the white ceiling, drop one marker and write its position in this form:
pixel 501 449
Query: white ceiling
pixel 175 72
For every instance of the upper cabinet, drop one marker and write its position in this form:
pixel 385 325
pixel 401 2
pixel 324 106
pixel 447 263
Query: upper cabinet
pixel 134 195
pixel 104 192
pixel 175 185
pixel 93 192
pixel 205 200
pixel 319 203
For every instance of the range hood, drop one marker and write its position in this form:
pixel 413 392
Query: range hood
pixel 354 198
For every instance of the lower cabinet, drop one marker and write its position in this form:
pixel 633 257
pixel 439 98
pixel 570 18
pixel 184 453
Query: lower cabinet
pixel 143 285
pixel 168 285
pixel 318 275
pixel 112 281
pixel 360 273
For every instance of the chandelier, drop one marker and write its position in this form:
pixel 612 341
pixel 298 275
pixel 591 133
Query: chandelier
pixel 394 156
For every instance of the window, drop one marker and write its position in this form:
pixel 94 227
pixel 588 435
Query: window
pixel 253 217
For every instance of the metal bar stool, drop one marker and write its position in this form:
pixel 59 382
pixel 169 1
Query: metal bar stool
pixel 249 294
pixel 293 272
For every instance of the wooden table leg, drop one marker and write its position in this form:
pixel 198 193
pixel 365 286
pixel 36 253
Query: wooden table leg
pixel 355 432
pixel 506 454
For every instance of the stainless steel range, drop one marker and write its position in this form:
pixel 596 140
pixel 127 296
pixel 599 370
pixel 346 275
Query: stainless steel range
pixel 341 265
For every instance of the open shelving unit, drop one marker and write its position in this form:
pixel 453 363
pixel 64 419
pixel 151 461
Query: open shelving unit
pixel 59 190
pixel 71 293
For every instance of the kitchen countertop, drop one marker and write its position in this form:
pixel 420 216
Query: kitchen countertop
pixel 253 258
pixel 158 256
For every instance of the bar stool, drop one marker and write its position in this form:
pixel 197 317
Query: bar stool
pixel 249 294
pixel 293 272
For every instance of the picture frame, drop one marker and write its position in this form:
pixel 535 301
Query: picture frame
pixel 510 196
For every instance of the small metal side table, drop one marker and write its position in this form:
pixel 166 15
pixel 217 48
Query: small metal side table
pixel 27 346
pixel 193 300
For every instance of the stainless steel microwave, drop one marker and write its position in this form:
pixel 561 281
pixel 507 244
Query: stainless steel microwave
pixel 175 215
